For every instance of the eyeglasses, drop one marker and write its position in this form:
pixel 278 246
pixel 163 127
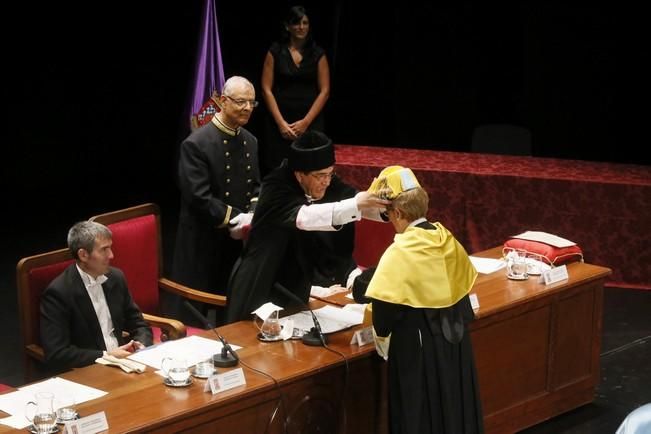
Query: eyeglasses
pixel 241 103
pixel 323 176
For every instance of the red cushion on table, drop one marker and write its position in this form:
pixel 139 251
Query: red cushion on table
pixel 551 254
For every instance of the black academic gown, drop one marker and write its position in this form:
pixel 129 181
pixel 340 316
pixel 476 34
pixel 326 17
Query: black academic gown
pixel 433 384
pixel 218 176
pixel 276 250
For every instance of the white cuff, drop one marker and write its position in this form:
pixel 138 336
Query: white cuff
pixel 315 217
pixel 346 211
pixel 326 216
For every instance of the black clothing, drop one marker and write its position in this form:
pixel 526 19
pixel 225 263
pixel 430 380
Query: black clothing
pixel 70 331
pixel 360 284
pixel 277 251
pixel 433 384
pixel 217 171
pixel 295 88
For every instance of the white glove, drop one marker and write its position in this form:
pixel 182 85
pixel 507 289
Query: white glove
pixel 238 225
pixel 351 277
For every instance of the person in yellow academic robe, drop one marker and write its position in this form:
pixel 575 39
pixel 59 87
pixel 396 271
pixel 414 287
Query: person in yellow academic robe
pixel 420 313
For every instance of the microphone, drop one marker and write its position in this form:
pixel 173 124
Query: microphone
pixel 315 336
pixel 227 357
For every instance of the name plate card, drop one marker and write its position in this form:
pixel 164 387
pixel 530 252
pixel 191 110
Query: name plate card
pixel 227 380
pixel 363 336
pixel 88 425
pixel 474 301
pixel 555 275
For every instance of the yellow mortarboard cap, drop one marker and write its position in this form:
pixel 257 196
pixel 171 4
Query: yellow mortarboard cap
pixel 392 181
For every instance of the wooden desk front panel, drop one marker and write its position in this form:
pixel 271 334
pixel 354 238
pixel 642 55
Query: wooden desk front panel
pixel 316 392
pixel 539 358
pixel 536 348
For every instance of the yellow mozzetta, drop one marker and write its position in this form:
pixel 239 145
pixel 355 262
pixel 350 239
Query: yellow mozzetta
pixel 423 268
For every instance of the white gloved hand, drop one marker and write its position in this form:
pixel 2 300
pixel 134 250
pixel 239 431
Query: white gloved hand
pixel 351 277
pixel 238 224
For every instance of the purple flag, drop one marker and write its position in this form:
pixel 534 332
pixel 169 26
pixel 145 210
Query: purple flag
pixel 209 73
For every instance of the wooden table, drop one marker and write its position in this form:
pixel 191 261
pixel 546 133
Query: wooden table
pixel 311 381
pixel 536 349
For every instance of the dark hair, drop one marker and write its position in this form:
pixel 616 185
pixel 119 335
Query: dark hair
pixel 294 16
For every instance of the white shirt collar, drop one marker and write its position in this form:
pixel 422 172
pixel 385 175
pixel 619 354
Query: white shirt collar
pixel 89 280
pixel 418 221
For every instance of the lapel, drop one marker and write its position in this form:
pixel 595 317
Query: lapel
pixel 86 309
pixel 113 304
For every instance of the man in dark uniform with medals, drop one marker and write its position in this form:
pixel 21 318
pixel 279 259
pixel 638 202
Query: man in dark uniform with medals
pixel 219 179
pixel 282 246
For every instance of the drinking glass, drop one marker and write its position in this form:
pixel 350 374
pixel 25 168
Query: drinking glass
pixel 204 369
pixel 65 407
pixel 271 328
pixel 176 370
pixel 516 264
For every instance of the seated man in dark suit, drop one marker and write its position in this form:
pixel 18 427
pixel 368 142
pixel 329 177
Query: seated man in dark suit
pixel 86 309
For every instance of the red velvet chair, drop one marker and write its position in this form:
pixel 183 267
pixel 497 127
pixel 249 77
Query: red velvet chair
pixel 371 240
pixel 33 274
pixel 138 253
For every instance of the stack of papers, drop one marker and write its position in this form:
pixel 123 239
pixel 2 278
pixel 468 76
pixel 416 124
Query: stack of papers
pixel 487 265
pixel 193 349
pixel 332 319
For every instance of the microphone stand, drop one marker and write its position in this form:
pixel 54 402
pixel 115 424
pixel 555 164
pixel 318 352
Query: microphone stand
pixel 227 357
pixel 315 336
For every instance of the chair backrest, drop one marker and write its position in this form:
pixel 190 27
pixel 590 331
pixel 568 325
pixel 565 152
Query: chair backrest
pixel 501 139
pixel 33 275
pixel 137 251
pixel 371 240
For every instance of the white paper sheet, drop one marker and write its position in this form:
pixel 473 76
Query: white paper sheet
pixel 487 265
pixel 193 349
pixel 544 237
pixel 14 403
pixel 331 319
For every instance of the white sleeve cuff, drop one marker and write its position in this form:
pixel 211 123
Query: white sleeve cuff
pixel 315 217
pixel 346 211
pixel 327 216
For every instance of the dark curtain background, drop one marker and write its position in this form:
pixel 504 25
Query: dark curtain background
pixel 95 99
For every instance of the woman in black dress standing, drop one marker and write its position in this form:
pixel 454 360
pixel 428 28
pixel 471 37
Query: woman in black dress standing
pixel 295 88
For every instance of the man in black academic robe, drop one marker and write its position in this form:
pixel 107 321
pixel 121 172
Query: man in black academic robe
pixel 283 247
